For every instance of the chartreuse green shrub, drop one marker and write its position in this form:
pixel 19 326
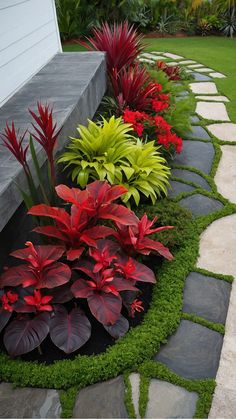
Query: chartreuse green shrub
pixel 107 151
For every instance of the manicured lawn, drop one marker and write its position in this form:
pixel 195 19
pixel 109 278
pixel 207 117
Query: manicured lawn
pixel 215 52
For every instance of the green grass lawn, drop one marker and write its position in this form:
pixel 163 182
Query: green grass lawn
pixel 215 52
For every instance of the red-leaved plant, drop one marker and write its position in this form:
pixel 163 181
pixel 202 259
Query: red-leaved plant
pixel 82 264
pixel 172 72
pixel 121 43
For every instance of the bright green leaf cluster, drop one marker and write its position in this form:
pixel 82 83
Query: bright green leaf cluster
pixel 107 151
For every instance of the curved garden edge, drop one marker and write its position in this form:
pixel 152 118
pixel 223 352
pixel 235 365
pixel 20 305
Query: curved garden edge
pixel 133 352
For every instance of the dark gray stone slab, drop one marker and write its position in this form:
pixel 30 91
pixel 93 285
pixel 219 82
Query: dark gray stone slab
pixel 102 400
pixel 206 297
pixel 28 402
pixel 74 83
pixel 200 205
pixel 197 132
pixel 191 177
pixel 178 188
pixel 169 401
pixel 200 77
pixel 193 351
pixel 196 154
pixel 194 119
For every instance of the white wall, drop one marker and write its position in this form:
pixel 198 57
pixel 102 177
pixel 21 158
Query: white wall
pixel 29 38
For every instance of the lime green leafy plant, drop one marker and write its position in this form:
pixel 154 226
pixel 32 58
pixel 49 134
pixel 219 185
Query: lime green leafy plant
pixel 107 151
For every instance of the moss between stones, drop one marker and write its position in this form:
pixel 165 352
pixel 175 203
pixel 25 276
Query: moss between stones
pixel 141 343
pixel 217 327
pixel 204 388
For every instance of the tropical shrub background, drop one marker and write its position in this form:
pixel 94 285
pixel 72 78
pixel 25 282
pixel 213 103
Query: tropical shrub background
pixel 166 17
pixel 94 249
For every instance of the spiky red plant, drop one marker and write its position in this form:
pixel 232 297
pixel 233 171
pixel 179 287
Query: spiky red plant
pixel 120 41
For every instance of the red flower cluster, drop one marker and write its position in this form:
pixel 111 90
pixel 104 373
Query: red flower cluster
pixel 153 125
pixel 160 103
pixel 8 299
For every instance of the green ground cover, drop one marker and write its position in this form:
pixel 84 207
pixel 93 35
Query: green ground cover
pixel 216 52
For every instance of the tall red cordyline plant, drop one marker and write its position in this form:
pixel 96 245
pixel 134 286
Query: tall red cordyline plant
pixel 120 41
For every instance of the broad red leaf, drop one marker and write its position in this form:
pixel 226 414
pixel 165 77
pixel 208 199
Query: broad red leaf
pixel 58 214
pixel 26 334
pixel 73 254
pixel 16 275
pixel 46 252
pixel 61 294
pixel 54 276
pixel 132 269
pixel 81 289
pixel 122 284
pixel 149 245
pixel 105 307
pixel 117 213
pixel 119 329
pixel 69 331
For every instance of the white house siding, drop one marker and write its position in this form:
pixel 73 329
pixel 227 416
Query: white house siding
pixel 29 38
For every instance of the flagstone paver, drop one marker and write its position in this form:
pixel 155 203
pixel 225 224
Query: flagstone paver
pixel 194 119
pixel 213 111
pixel 177 188
pixel 224 131
pixel 197 154
pixel 225 177
pixel 203 88
pixel 200 204
pixel 195 65
pixel 135 385
pixel 170 401
pixel 173 56
pixel 187 175
pixel 185 62
pixel 173 63
pixel 204 70
pixel 217 75
pixel 102 400
pixel 200 77
pixel 197 132
pixel 28 402
pixel 193 351
pixel 206 297
pixel 213 98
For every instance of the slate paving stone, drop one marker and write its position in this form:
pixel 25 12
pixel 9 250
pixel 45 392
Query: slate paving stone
pixel 178 188
pixel 102 400
pixel 197 132
pixel 200 77
pixel 214 111
pixel 193 351
pixel 200 205
pixel 170 401
pixel 28 402
pixel 194 119
pixel 206 297
pixel 191 177
pixel 196 154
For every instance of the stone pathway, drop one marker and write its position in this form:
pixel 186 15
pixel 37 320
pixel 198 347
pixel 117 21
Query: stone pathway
pixel 197 350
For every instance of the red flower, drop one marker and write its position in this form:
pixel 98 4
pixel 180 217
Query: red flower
pixel 46 133
pixel 136 306
pixel 15 145
pixel 8 299
pixel 39 302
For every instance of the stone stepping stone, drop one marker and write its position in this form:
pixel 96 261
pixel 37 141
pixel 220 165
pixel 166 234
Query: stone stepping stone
pixel 203 88
pixel 214 111
pixel 28 402
pixel 217 75
pixel 200 77
pixel 102 400
pixel 157 52
pixel 206 297
pixel 167 400
pixel 197 132
pixel 188 71
pixel 200 204
pixel 193 351
pixel 224 132
pixel 213 98
pixel 146 60
pixel 177 188
pixel 195 66
pixel 196 154
pixel 185 62
pixel 172 63
pixel 172 56
pixel 218 249
pixel 204 70
pixel 152 56
pixel 194 118
pixel 189 176
pixel 225 177
pixel 184 93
